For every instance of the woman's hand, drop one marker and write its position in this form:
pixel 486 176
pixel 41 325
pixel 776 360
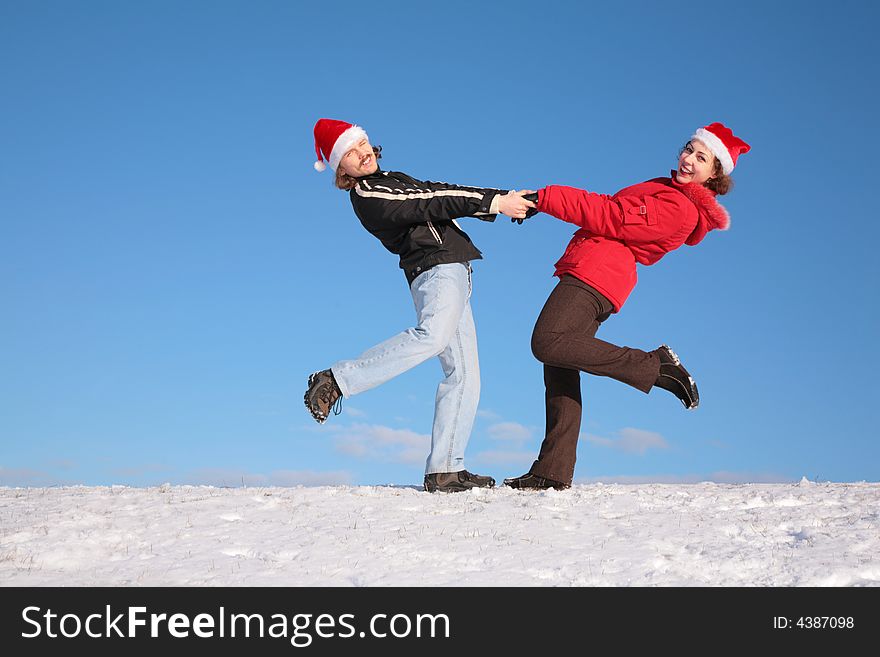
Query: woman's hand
pixel 514 205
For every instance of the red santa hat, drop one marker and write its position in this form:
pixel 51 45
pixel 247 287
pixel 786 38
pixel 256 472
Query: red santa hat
pixel 333 139
pixel 723 144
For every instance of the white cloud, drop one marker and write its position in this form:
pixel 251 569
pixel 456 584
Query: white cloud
pixel 488 415
pixel 139 470
pixel 381 443
pixel 62 464
pixel 309 478
pixel 631 441
pixel 25 477
pixel 599 441
pixel 643 479
pixel 512 435
pixel 719 477
pixel 504 457
pixel 235 478
pixel 725 477
pixel 352 448
pixel 510 431
pixel 354 412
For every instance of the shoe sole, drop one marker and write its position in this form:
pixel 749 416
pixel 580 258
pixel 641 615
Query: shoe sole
pixel 537 488
pixel 695 397
pixel 318 417
pixel 692 393
pixel 457 490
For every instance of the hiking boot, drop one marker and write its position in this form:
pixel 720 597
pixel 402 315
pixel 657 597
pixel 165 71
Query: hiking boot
pixel 531 481
pixel 322 396
pixel 455 482
pixel 675 378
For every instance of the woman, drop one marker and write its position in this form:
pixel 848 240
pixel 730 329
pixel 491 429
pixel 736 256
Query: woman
pixel 638 224
pixel 415 220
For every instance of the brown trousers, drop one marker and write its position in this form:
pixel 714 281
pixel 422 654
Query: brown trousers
pixel 564 341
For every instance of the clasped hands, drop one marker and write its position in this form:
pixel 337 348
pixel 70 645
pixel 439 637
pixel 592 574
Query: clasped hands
pixel 518 205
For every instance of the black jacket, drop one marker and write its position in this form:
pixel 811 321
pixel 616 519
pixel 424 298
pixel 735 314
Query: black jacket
pixel 415 219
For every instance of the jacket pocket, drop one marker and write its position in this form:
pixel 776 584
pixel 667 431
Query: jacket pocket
pixel 638 211
pixel 435 233
pixel 425 236
pixel 572 255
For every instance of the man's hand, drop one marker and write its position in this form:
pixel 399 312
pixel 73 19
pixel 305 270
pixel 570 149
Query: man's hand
pixel 516 206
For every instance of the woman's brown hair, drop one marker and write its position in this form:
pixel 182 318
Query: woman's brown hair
pixel 720 182
pixel 344 181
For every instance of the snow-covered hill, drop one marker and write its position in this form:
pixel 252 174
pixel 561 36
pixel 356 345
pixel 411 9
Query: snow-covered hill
pixel 806 534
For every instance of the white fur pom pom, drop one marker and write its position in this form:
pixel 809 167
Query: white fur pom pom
pixel 320 166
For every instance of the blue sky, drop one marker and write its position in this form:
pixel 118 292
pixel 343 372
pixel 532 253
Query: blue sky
pixel 172 267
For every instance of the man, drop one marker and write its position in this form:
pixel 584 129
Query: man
pixel 415 220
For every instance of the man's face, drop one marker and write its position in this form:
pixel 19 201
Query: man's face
pixel 359 160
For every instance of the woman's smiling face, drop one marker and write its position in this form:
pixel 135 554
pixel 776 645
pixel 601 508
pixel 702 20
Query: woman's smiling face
pixel 696 163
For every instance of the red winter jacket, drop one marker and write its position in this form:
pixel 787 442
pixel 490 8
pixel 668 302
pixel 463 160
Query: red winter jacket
pixel 641 223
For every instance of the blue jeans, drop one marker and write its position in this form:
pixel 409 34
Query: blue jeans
pixel 446 329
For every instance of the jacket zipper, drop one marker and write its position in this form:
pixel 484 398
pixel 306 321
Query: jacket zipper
pixel 435 233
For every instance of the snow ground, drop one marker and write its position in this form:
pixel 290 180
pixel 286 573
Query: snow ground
pixel 805 534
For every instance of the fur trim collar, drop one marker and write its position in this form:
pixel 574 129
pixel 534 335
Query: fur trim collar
pixel 712 215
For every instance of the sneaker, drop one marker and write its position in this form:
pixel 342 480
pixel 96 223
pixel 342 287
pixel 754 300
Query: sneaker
pixel 531 481
pixel 455 482
pixel 675 378
pixel 322 396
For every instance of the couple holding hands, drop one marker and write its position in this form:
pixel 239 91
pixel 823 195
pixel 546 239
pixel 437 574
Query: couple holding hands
pixel 416 220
